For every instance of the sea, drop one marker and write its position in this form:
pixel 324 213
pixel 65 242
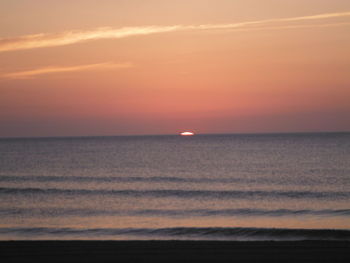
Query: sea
pixel 243 187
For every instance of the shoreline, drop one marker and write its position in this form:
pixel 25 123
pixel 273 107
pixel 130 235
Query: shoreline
pixel 178 251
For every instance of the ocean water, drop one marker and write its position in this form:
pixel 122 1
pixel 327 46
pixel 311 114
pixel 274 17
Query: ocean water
pixel 216 187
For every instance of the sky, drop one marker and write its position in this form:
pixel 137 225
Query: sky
pixel 129 67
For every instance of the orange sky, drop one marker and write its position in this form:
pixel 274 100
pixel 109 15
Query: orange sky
pixel 70 68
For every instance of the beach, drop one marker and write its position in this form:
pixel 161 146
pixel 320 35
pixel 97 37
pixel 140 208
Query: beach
pixel 177 251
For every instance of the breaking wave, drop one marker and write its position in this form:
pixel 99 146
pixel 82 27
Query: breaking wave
pixel 210 233
pixel 226 194
pixel 81 212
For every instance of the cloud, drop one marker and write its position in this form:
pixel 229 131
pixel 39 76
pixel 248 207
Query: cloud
pixel 50 70
pixel 72 37
pixel 291 27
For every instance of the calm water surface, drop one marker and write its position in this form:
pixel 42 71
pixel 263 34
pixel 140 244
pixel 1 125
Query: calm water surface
pixel 231 187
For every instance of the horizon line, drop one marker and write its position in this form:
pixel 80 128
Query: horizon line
pixel 170 134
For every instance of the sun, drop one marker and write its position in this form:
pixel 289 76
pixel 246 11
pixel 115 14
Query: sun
pixel 187 133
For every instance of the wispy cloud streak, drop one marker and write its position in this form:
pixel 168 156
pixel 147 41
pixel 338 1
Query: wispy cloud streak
pixel 50 70
pixel 290 27
pixel 72 37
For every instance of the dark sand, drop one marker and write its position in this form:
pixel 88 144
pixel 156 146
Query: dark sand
pixel 177 251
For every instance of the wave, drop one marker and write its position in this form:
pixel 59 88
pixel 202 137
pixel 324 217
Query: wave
pixel 65 212
pixel 210 233
pixel 168 179
pixel 103 179
pixel 251 194
pixel 117 179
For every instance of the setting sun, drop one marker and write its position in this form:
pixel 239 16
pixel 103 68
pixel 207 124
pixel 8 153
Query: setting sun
pixel 186 133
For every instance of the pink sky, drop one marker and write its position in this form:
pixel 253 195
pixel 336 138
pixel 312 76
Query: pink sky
pixel 75 68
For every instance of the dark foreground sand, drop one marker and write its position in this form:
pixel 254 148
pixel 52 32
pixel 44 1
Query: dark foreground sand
pixel 173 251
